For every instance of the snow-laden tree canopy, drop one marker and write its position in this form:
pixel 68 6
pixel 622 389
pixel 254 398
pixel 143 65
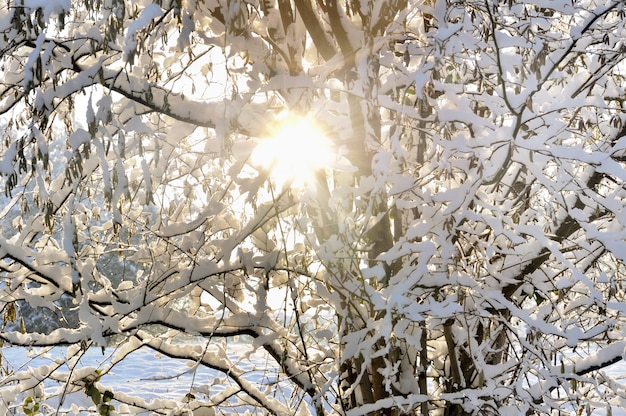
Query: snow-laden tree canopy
pixel 440 228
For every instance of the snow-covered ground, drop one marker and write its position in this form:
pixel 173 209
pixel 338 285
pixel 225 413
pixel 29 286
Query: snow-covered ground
pixel 143 373
pixel 156 377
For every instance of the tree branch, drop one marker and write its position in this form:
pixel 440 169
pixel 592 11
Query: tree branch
pixel 314 27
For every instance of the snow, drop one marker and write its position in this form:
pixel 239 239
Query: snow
pixel 6 163
pixel 49 7
pixel 160 381
pixel 145 18
pixel 79 137
pixel 155 378
pixel 32 60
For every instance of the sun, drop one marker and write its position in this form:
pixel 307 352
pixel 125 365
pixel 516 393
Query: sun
pixel 295 152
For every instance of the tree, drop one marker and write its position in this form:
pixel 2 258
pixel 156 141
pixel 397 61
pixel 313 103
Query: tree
pixel 462 254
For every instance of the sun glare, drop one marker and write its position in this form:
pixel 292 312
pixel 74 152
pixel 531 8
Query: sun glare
pixel 295 151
